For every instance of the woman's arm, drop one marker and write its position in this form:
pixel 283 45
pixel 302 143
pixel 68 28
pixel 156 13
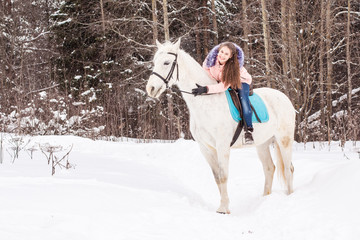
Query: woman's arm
pixel 217 88
pixel 245 77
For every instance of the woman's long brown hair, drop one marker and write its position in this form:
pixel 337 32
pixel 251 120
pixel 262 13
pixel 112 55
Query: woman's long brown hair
pixel 231 72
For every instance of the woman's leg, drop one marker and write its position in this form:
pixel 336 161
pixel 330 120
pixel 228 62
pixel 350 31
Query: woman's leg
pixel 245 104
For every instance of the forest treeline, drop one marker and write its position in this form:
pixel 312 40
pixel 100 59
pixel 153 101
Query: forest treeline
pixel 80 66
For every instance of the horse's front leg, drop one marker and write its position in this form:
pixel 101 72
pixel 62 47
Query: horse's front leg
pixel 221 177
pixel 220 170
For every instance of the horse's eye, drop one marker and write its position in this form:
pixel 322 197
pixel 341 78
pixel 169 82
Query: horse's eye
pixel 166 63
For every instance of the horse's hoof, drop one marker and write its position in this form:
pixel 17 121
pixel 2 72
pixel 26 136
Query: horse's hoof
pixel 267 193
pixel 223 212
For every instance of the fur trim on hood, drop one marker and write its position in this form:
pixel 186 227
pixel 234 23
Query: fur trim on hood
pixel 211 57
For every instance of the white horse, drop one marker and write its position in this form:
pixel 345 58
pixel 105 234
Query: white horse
pixel 213 127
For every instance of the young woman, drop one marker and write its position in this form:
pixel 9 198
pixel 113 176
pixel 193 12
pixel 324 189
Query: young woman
pixel 224 64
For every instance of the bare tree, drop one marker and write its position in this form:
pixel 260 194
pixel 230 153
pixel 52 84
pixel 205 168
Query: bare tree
pixel 350 124
pixel 247 46
pixel 205 23
pixel 215 30
pixel 155 22
pixel 285 49
pixel 266 35
pixel 198 38
pixel 321 69
pixel 293 57
pixel 166 21
pixel 329 65
pixel 102 16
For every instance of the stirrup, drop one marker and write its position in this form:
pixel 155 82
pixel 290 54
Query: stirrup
pixel 248 138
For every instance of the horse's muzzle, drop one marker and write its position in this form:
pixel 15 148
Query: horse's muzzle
pixel 154 92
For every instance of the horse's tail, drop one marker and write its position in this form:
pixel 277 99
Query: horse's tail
pixel 280 164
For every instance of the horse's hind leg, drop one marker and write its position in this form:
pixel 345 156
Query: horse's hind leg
pixel 220 170
pixel 268 166
pixel 284 152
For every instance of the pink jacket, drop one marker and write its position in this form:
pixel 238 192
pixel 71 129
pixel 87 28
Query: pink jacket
pixel 215 72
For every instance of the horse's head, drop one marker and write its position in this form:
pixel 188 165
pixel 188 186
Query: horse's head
pixel 165 68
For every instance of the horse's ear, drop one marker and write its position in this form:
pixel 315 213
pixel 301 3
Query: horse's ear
pixel 158 44
pixel 177 44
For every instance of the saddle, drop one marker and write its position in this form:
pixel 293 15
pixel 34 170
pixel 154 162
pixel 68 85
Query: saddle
pixel 241 123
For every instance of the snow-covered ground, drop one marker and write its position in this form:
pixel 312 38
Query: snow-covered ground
pixel 155 191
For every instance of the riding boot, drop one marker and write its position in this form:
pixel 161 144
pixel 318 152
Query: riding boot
pixel 248 136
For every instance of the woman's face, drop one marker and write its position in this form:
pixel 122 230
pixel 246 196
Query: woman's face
pixel 224 54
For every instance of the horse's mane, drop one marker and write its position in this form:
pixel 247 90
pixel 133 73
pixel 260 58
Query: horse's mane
pixel 191 64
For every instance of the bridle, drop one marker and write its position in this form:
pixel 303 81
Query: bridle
pixel 170 74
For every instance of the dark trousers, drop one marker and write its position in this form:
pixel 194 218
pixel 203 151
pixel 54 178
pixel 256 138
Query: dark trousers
pixel 245 103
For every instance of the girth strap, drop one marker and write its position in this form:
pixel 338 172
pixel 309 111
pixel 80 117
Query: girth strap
pixel 257 117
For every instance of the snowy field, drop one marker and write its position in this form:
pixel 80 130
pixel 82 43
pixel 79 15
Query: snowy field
pixel 166 191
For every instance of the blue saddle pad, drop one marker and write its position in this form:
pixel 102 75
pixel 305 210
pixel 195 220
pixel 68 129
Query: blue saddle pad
pixel 256 102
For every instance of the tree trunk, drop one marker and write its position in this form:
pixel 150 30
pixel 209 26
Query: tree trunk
pixel 155 22
pixel 329 67
pixel 350 124
pixel 5 51
pixel 7 7
pixel 285 49
pixel 321 71
pixel 102 17
pixel 104 32
pixel 205 27
pixel 214 22
pixel 169 97
pixel 265 25
pixel 245 25
pixel 198 40
pixel 293 56
pixel 166 21
pixel 292 43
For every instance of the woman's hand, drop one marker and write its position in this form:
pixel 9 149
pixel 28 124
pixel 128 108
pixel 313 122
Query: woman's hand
pixel 199 90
